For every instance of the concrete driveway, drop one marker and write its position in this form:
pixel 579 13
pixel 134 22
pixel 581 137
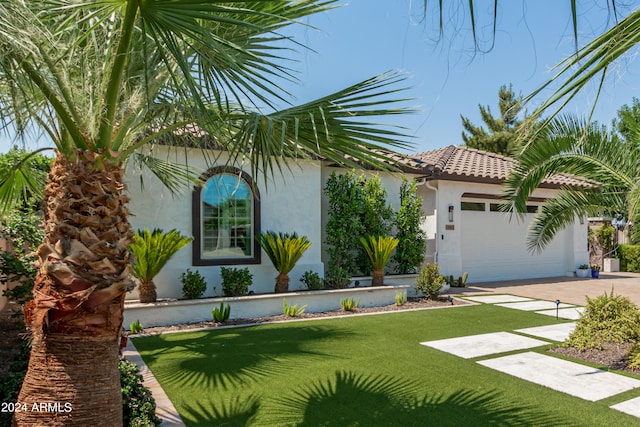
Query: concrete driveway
pixel 566 289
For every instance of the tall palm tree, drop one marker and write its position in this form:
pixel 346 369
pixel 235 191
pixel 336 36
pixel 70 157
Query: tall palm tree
pixel 101 79
pixel 609 165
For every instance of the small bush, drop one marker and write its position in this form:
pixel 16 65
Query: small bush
pixel 607 318
pixel 292 310
pixel 629 258
pixel 235 281
pixel 337 278
pixel 193 284
pixel 348 304
pixel 221 315
pixel 430 281
pixel 401 298
pixel 138 406
pixel 135 327
pixel 312 280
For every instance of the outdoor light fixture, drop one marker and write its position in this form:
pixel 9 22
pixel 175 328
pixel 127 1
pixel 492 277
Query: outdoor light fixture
pixel 557 305
pixel 450 213
pixel 450 299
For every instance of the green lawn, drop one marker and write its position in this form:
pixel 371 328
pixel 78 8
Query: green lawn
pixel 360 371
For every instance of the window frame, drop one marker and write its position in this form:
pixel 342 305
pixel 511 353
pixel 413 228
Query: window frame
pixel 196 221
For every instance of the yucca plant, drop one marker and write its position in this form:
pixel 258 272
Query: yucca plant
pixel 379 250
pixel 284 250
pixel 151 251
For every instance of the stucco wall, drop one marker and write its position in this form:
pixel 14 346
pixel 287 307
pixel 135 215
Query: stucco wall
pixel 289 202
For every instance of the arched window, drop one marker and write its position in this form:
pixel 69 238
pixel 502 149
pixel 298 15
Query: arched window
pixel 226 218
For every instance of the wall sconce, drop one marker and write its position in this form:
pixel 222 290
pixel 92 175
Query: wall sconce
pixel 450 213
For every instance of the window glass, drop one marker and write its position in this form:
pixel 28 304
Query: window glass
pixel 226 215
pixel 472 206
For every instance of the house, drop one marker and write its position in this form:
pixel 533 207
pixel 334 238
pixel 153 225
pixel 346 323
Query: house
pixel 460 188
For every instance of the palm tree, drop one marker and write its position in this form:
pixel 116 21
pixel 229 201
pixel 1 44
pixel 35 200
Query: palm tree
pixel 609 166
pixel 103 78
pixel 151 250
pixel 284 250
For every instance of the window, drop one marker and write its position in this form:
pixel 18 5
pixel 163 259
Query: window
pixel 226 213
pixel 472 206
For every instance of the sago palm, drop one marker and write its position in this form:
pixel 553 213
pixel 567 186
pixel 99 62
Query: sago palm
pixel 379 250
pixel 609 166
pixel 104 78
pixel 284 250
pixel 151 250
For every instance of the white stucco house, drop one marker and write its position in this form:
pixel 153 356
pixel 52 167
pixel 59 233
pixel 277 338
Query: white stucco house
pixel 459 186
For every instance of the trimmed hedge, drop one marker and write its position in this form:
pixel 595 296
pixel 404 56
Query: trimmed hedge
pixel 629 258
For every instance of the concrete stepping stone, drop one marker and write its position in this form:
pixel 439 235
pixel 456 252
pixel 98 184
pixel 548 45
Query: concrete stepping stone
pixel 559 332
pixel 631 407
pixel 534 305
pixel 494 299
pixel 485 344
pixel 572 313
pixel 561 375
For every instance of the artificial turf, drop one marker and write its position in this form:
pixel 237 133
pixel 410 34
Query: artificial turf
pixel 360 371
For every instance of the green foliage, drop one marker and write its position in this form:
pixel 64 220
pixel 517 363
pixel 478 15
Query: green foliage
pixel 401 298
pixel 634 357
pixel 607 318
pixel 312 280
pixel 376 216
pixel 138 405
pixel 152 250
pixel 502 133
pixel 24 230
pixel 221 314
pixel 430 281
pixel 604 235
pixel 235 281
pixel 629 257
pixel 10 384
pixel 22 179
pixel 349 304
pixel 193 284
pixel 283 249
pixel 292 310
pixel 411 238
pixel 337 278
pixel 379 249
pixel 460 282
pixel 18 269
pixel 136 327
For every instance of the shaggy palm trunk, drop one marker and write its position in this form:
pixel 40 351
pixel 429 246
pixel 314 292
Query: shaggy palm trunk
pixel 377 277
pixel 76 313
pixel 147 291
pixel 282 283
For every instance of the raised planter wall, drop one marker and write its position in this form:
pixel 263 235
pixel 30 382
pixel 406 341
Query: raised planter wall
pixel 198 310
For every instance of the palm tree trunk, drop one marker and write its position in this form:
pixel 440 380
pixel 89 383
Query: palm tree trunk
pixel 147 291
pixel 282 283
pixel 377 277
pixel 76 313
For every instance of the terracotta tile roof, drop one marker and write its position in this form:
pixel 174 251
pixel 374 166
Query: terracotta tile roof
pixel 468 164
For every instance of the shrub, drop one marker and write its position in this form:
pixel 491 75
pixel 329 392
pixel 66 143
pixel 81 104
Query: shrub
pixel 430 281
pixel 312 280
pixel 348 304
pixel 337 278
pixel 193 284
pixel 292 310
pixel 629 257
pixel 401 298
pixel 221 315
pixel 607 318
pixel 138 406
pixel 411 238
pixel 135 327
pixel 235 281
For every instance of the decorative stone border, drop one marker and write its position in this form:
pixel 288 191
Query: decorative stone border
pixel 164 313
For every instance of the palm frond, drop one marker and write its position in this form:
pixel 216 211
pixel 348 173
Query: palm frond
pixel 174 176
pixel 153 249
pixel 284 250
pixel 379 249
pixel 19 182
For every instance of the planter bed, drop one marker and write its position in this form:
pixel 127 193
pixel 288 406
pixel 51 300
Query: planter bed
pixel 173 312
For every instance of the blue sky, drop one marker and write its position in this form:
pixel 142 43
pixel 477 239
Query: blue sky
pixel 448 77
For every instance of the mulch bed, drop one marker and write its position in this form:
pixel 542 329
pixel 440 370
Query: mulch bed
pixel 611 356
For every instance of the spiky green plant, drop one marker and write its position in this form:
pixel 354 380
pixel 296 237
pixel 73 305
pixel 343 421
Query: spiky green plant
pixel 379 250
pixel 221 315
pixel 292 310
pixel 151 251
pixel 284 250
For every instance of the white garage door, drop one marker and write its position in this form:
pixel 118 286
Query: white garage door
pixel 494 248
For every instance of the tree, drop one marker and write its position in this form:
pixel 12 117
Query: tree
pixel 104 78
pixel 627 120
pixel 573 146
pixel 412 239
pixel 501 134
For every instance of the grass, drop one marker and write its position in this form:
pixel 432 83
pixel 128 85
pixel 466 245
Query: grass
pixel 359 371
